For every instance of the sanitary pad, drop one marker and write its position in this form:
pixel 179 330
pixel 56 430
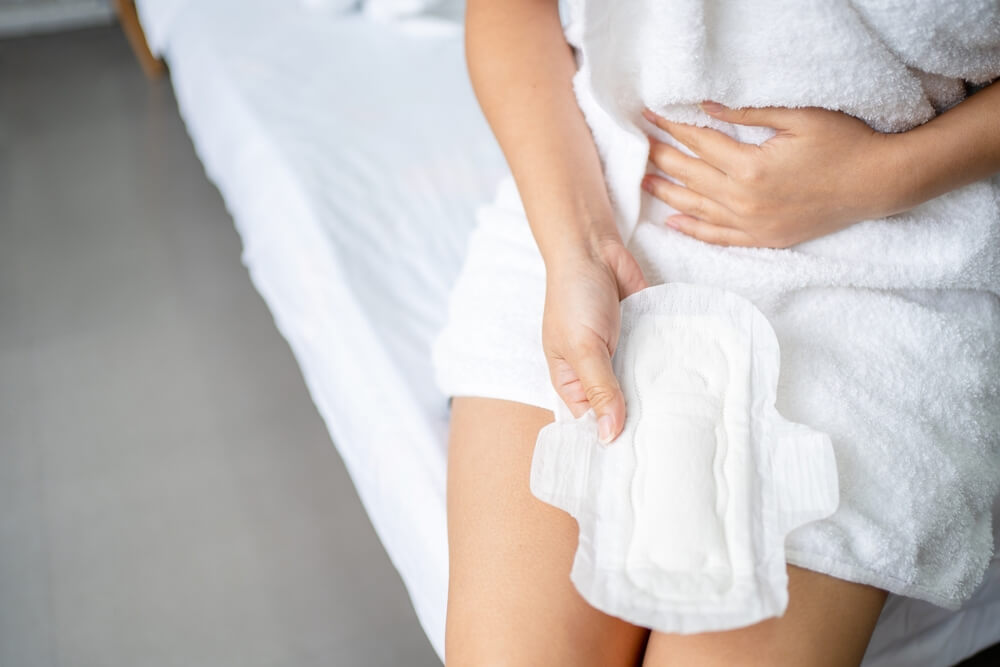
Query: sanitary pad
pixel 683 517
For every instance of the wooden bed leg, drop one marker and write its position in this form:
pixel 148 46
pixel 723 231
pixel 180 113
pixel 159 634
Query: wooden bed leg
pixel 152 66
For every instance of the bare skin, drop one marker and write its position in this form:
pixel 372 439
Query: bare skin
pixel 510 600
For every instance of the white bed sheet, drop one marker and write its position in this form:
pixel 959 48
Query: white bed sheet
pixel 352 156
pixel 157 18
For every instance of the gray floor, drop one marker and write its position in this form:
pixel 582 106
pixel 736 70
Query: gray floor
pixel 168 493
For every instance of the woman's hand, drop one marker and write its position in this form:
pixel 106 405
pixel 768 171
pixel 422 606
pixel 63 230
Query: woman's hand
pixel 823 171
pixel 580 328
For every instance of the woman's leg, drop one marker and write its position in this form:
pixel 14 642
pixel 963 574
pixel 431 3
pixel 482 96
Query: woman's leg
pixel 510 600
pixel 828 623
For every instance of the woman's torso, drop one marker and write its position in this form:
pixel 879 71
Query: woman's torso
pixel 891 65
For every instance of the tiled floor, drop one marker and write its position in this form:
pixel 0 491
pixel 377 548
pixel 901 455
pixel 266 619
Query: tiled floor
pixel 168 493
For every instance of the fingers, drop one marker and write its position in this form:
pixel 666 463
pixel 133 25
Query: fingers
pixel 628 275
pixel 687 201
pixel 632 283
pixel 567 384
pixel 716 148
pixel 580 330
pixel 600 386
pixel 775 117
pixel 709 233
pixel 600 390
pixel 692 172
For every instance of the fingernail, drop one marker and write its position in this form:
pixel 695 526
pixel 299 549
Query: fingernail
pixel 670 222
pixel 605 429
pixel 649 115
pixel 647 184
pixel 711 107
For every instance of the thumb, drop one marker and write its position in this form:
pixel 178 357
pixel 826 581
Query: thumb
pixel 628 275
pixel 630 282
pixel 593 366
pixel 774 117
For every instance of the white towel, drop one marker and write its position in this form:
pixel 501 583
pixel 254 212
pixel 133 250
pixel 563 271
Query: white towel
pixel 888 322
pixel 892 64
pixel 889 330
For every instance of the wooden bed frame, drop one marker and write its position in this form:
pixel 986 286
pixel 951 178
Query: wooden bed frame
pixel 153 67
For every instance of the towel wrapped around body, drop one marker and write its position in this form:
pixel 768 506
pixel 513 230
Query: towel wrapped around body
pixel 889 329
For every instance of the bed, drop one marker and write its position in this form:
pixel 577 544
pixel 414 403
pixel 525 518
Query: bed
pixel 352 156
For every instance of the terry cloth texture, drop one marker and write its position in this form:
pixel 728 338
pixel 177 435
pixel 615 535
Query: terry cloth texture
pixel 889 330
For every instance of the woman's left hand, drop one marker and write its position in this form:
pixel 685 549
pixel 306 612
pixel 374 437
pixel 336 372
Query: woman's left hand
pixel 823 171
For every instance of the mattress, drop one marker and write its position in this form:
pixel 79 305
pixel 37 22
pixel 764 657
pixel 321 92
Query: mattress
pixel 352 156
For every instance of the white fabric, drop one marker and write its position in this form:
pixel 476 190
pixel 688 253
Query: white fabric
pixel 498 301
pixel 394 10
pixel 157 19
pixel 354 214
pixel 683 517
pixel 324 187
pixel 330 5
pixel 890 64
pixel 384 10
pixel 930 275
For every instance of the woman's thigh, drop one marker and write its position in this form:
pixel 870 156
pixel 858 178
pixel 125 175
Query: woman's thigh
pixel 828 623
pixel 510 599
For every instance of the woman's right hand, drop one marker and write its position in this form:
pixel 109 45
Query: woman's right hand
pixel 580 328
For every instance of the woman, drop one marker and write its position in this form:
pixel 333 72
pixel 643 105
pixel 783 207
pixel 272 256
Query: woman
pixel 510 599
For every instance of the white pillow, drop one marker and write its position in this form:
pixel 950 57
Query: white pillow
pixel 337 6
